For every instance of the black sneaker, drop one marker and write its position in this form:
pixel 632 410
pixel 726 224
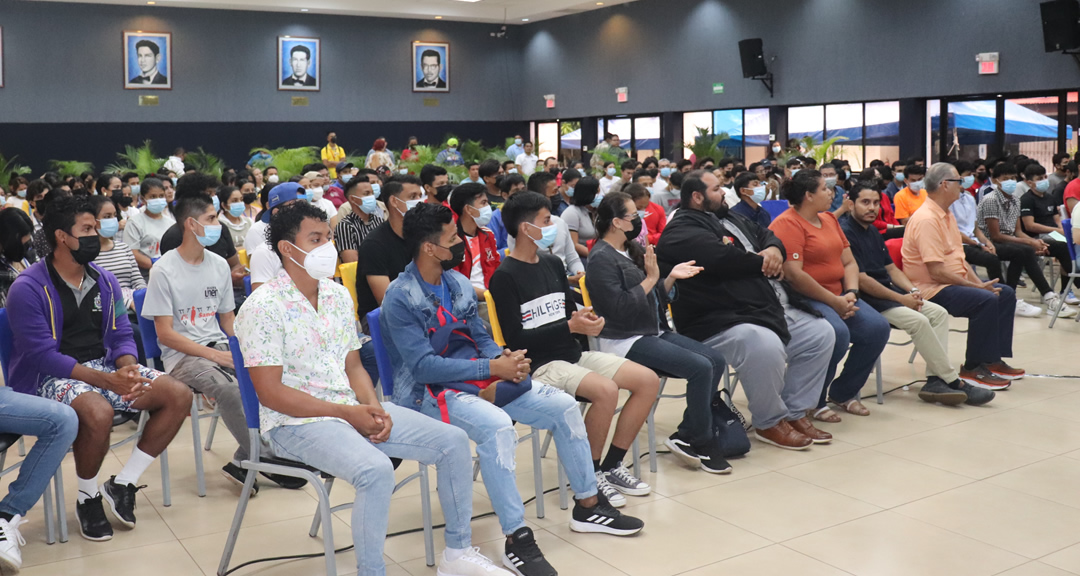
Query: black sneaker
pixel 975 396
pixel 237 475
pixel 286 482
pixel 121 500
pixel 524 557
pixel 936 390
pixel 711 459
pixel 92 521
pixel 603 518
pixel 682 449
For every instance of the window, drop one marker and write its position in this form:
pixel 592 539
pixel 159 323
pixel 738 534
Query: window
pixel 882 132
pixel 971 129
pixel 844 122
pixel 547 145
pixel 693 124
pixel 570 142
pixel 933 129
pixel 806 121
pixel 1031 128
pixel 646 137
pixel 756 134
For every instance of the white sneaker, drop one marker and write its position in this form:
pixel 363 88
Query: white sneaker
pixel 1072 299
pixel 614 497
pixel 1025 310
pixel 472 563
pixel 10 540
pixel 1066 311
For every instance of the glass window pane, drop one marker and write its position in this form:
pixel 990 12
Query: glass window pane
pixel 1072 115
pixel 548 145
pixel 693 123
pixel 933 130
pixel 844 122
pixel 756 134
pixel 1031 128
pixel 729 122
pixel 971 129
pixel 570 143
pixel 621 127
pixel 806 121
pixel 647 137
pixel 882 120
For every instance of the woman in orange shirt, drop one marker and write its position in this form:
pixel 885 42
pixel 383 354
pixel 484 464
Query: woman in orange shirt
pixel 821 267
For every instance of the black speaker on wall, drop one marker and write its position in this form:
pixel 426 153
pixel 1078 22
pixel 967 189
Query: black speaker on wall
pixel 753 58
pixel 1061 25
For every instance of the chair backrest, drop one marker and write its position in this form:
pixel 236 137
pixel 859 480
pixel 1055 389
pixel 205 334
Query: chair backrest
pixel 1066 225
pixel 775 207
pixel 247 285
pixel 382 357
pixel 348 278
pixel 242 255
pixel 248 396
pixel 7 342
pixel 585 299
pixel 146 327
pixel 895 247
pixel 493 318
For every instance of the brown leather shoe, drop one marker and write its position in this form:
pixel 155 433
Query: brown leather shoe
pixel 806 428
pixel 783 436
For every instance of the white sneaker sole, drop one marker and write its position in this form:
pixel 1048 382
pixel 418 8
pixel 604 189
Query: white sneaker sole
pixel 617 501
pixel 505 562
pixel 767 441
pixel 10 564
pixel 678 451
pixel 112 508
pixel 590 528
pixel 714 471
pixel 978 384
pixel 86 536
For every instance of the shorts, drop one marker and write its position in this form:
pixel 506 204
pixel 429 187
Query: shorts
pixel 66 390
pixel 567 377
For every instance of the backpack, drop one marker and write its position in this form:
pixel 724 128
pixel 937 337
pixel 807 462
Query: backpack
pixel 729 430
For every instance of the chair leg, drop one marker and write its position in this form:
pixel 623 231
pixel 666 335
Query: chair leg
pixel 914 353
pixel 318 515
pixel 166 484
pixel 538 474
pixel 213 428
pixel 563 500
pixel 22 447
pixel 650 422
pixel 547 444
pixel 475 469
pixel 635 454
pixel 425 503
pixel 50 521
pixel 1061 302
pixel 877 373
pixel 61 506
pixel 238 518
pixel 196 440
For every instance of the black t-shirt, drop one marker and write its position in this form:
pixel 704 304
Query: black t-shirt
pixel 383 253
pixel 534 304
pixel 870 252
pixel 174 236
pixel 1043 208
pixel 80 336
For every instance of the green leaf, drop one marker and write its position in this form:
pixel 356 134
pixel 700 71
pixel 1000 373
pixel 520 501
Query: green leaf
pixel 70 167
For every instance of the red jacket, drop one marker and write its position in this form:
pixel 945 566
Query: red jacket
pixel 885 216
pixel 489 255
pixel 655 222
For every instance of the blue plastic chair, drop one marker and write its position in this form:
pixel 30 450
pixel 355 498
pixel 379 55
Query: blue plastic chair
pixel 775 207
pixel 153 354
pixel 247 285
pixel 257 462
pixel 1066 225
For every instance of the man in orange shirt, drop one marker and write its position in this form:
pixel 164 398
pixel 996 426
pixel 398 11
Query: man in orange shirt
pixel 908 200
pixel 934 260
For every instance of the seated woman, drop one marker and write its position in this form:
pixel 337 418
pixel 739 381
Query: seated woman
pixel 821 267
pixel 117 258
pixel 626 290
pixel 15 247
pixel 581 215
pixel 232 213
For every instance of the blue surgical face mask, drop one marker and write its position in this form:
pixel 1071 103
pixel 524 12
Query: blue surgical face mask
pixel 547 235
pixel 217 203
pixel 899 176
pixel 759 195
pixel 21 193
pixel 795 171
pixel 917 187
pixel 665 172
pixel 517 141
pixel 485 216
pixel 512 171
pixel 109 227
pixel 597 200
pixel 1043 186
pixel 830 181
pixel 135 189
pixel 376 189
pixel 569 191
pixel 345 178
pixel 174 180
pixel 368 205
pixel 403 171
pixel 968 182
pixel 1008 187
pixel 156 205
pixel 211 234
pixel 641 214
pixel 611 171
pixel 847 174
pixel 236 209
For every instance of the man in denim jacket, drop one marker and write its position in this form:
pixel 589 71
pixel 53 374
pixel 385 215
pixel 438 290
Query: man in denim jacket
pixel 409 311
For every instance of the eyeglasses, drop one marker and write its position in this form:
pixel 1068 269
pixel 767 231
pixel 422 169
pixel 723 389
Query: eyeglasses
pixel 957 180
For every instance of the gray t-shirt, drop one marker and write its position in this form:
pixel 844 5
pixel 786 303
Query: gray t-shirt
pixel 579 220
pixel 144 233
pixel 192 295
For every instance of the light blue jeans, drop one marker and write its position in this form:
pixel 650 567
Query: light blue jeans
pixel 338 449
pixel 55 426
pixel 492 428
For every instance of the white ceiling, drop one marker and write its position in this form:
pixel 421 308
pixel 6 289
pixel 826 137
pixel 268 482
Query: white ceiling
pixel 490 11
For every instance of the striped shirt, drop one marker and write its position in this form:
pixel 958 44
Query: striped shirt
pixel 120 261
pixel 351 231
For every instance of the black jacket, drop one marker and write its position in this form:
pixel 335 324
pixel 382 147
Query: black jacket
pixel 614 284
pixel 731 289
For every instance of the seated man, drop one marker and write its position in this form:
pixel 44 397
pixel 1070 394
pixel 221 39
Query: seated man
pixel 999 220
pixel 364 217
pixel 383 254
pixel 1040 216
pixel 978 250
pixel 934 261
pixel 54 425
pixel 469 202
pixel 563 247
pixel 537 313
pixel 189 298
pixel 508 186
pixel 778 346
pixel 318 405
pixel 264 264
pixel 409 313
pixel 74 345
pixel 912 196
pixel 752 194
pixel 889 291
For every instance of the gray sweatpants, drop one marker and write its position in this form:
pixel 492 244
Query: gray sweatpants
pixel 219 383
pixel 781 382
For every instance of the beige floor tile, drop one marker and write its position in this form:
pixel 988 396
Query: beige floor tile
pixel 667 528
pixel 167 559
pixel 775 506
pixel 963 454
pixel 776 560
pixel 884 423
pixel 1066 407
pixel 877 478
pixel 1067 559
pixel 889 544
pixel 1021 428
pixel 772 458
pixel 1053 479
pixel 1005 519
pixel 1035 569
pixel 675 477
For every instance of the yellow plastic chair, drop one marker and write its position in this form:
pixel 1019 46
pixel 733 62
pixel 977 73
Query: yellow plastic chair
pixel 348 278
pixel 496 330
pixel 584 292
pixel 243 256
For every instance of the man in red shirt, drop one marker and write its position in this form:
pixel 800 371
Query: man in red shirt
pixel 469 202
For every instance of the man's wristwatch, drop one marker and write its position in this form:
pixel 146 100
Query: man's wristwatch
pixel 851 291
pixel 913 291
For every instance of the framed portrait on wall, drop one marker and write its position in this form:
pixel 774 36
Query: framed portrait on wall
pixel 431 66
pixel 298 63
pixel 147 60
pixel 1 56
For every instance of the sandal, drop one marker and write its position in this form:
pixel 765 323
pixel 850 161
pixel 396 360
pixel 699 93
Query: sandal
pixel 824 414
pixel 853 406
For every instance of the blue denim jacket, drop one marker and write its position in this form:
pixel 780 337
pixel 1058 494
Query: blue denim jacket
pixel 408 311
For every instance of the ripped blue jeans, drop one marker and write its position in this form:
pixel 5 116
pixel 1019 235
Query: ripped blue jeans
pixel 492 428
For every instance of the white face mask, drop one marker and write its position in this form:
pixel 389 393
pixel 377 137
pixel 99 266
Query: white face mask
pixel 409 204
pixel 319 263
pixel 273 178
pixel 316 193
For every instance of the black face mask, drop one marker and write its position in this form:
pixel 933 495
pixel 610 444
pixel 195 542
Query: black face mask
pixel 89 248
pixel 457 256
pixel 250 197
pixel 443 192
pixel 553 171
pixel 333 140
pixel 126 201
pixel 635 230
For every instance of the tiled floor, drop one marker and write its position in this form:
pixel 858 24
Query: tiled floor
pixel 913 489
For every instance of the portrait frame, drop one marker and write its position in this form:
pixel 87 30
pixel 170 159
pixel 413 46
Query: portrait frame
pixel 285 76
pixel 1 56
pixel 418 49
pixel 162 76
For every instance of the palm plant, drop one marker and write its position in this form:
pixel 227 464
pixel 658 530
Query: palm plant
pixel 706 145
pixel 70 167
pixel 421 155
pixel 138 159
pixel 823 152
pixel 9 169
pixel 291 161
pixel 205 162
pixel 473 151
pixel 356 158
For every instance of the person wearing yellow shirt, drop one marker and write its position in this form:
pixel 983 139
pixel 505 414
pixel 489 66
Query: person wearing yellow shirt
pixel 332 153
pixel 912 196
